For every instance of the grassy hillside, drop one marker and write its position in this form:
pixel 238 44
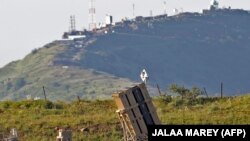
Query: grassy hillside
pixel 37 120
pixel 28 76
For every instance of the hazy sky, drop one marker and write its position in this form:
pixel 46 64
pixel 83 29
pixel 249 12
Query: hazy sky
pixel 29 24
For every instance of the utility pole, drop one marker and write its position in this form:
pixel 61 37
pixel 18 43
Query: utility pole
pixel 205 91
pixel 165 7
pixel 221 90
pixel 44 92
pixel 159 90
pixel 92 16
pixel 151 13
pixel 133 10
pixel 79 99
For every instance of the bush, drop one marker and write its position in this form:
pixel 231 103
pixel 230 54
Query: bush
pixel 34 51
pixel 166 98
pixel 189 96
pixel 178 102
pixel 5 105
pixel 181 90
pixel 40 104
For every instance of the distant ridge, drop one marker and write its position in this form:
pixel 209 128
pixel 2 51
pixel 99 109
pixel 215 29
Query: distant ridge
pixel 190 49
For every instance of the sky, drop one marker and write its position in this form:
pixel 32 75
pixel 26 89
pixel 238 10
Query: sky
pixel 29 24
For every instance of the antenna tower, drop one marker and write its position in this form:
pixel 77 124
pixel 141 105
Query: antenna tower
pixel 165 7
pixel 151 13
pixel 72 23
pixel 133 10
pixel 92 14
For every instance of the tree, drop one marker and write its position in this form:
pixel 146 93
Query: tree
pixel 186 94
pixel 34 51
pixel 195 92
pixel 181 90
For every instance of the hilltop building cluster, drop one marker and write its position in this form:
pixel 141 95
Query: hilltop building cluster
pixel 103 28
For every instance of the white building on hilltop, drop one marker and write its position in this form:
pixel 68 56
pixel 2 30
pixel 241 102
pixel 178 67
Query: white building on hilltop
pixel 109 20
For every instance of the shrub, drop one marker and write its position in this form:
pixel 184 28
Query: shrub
pixel 34 51
pixel 188 95
pixel 166 98
pixel 43 104
pixel 5 105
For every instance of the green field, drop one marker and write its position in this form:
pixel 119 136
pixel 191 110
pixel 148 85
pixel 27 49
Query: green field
pixel 37 120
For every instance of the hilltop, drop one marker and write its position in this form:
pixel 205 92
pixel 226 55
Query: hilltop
pixel 190 49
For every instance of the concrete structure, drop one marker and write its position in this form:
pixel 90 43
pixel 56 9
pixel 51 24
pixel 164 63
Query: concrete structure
pixel 12 137
pixel 73 35
pixel 135 111
pixel 64 135
pixel 108 19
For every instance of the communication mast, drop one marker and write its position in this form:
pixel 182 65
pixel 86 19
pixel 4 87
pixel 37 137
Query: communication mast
pixel 151 13
pixel 165 7
pixel 92 16
pixel 72 23
pixel 133 10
